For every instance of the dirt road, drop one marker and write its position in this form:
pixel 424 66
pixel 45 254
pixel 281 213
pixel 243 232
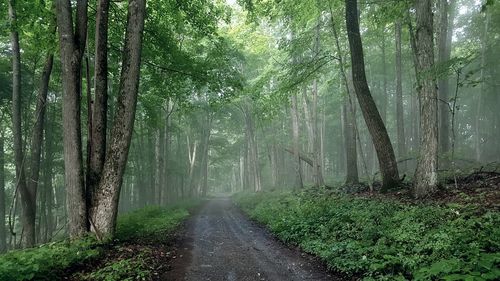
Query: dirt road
pixel 220 243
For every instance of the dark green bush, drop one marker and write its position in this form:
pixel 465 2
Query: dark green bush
pixel 384 239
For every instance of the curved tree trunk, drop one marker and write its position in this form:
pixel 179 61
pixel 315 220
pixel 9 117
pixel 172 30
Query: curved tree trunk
pixel 376 127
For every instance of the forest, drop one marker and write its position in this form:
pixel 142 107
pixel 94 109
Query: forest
pixel 249 140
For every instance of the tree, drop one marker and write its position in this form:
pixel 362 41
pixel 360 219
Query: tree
pixel 350 142
pixel 72 39
pixel 3 201
pixel 427 165
pixel 105 202
pixel 296 153
pixel 28 197
pixel 399 93
pixel 444 54
pixel 99 118
pixel 375 124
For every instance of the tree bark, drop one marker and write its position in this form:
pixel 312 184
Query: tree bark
pixel 104 212
pixel 399 95
pixel 158 166
pixel 375 124
pixel 37 138
pixel 383 102
pixel 317 167
pixel 204 162
pixel 252 149
pixel 350 142
pixel 296 149
pixel 444 49
pixel 306 105
pixel 98 130
pixel 3 199
pixel 72 45
pixel 482 93
pixel 27 195
pixel 427 165
pixel 48 163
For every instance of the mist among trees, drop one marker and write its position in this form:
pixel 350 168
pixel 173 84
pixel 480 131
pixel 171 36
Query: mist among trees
pixel 112 106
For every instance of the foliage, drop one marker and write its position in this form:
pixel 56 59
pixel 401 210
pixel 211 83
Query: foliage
pixel 48 261
pixel 127 269
pixel 151 221
pixel 383 239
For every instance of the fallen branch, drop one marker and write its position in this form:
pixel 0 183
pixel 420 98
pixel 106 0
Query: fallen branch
pixel 302 156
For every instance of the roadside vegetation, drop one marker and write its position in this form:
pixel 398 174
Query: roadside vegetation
pixel 131 255
pixel 384 238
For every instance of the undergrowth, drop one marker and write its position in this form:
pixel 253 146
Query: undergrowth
pixel 382 239
pixel 50 261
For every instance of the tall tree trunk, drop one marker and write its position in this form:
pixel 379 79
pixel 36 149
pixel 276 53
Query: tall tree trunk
pixel 399 95
pixel 317 167
pixel 375 124
pixel 192 149
pixel 105 209
pixel 206 148
pixel 350 142
pixel 342 147
pixel 98 130
pixel 158 166
pixel 296 148
pixel 168 191
pixel 37 139
pixel 48 164
pixel 309 128
pixel 482 93
pixel 427 165
pixel 3 199
pixel 445 35
pixel 253 149
pixel 27 195
pixel 72 44
pixel 383 102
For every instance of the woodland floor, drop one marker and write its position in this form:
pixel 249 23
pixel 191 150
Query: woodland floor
pixel 479 188
pixel 220 243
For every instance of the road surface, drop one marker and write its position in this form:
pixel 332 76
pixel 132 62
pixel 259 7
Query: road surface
pixel 220 243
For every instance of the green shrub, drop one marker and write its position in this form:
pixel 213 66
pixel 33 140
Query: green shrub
pixel 48 261
pixel 383 239
pixel 122 270
pixel 149 222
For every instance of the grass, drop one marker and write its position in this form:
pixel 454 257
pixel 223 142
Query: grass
pixel 383 239
pixel 49 261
